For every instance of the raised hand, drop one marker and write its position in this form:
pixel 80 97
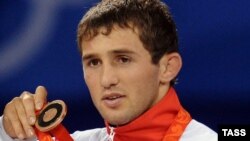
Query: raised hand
pixel 19 114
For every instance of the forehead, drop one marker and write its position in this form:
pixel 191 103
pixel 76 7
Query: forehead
pixel 88 33
pixel 117 37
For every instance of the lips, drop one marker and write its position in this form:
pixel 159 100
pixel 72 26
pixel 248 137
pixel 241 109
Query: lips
pixel 113 100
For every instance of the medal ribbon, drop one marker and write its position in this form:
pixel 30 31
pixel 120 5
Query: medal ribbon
pixel 177 128
pixel 60 133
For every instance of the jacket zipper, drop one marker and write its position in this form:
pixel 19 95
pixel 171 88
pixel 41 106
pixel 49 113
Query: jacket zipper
pixel 112 134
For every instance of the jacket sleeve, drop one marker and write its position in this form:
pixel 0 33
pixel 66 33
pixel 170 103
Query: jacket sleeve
pixel 5 137
pixel 98 134
pixel 196 131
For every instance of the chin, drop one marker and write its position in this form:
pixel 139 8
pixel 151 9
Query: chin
pixel 118 121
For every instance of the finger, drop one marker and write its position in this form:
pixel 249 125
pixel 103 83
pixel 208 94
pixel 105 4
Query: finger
pixel 20 110
pixel 29 106
pixel 7 123
pixel 13 118
pixel 40 97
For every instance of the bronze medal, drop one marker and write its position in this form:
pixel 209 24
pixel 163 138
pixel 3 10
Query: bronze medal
pixel 51 116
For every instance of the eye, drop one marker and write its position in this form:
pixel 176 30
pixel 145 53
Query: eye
pixel 94 62
pixel 124 59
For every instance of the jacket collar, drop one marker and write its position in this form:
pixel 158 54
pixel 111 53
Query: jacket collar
pixel 153 124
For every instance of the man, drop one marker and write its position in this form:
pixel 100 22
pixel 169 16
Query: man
pixel 130 61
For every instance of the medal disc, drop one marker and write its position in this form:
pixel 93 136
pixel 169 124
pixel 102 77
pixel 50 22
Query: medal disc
pixel 51 115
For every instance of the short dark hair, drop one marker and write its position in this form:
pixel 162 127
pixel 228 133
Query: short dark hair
pixel 152 18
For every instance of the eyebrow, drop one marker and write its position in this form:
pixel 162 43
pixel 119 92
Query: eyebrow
pixel 123 51
pixel 88 56
pixel 116 51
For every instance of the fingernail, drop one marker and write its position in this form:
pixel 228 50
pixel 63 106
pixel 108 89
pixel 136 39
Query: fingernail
pixel 32 120
pixel 5 117
pixel 39 105
pixel 20 136
pixel 31 133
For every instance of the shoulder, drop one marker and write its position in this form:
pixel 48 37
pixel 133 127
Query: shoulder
pixel 99 134
pixel 196 131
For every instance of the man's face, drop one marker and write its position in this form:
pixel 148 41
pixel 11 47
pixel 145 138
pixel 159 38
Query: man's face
pixel 122 81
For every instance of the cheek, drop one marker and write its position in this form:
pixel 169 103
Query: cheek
pixel 143 77
pixel 91 80
pixel 143 82
pixel 90 76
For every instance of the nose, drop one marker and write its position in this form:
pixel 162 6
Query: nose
pixel 109 77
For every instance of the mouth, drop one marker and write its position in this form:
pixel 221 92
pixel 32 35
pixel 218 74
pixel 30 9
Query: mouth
pixel 113 100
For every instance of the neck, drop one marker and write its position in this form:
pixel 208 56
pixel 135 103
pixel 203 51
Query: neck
pixel 163 89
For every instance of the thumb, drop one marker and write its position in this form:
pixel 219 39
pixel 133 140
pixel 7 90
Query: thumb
pixel 40 97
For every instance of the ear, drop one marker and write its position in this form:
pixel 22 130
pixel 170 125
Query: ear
pixel 170 65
